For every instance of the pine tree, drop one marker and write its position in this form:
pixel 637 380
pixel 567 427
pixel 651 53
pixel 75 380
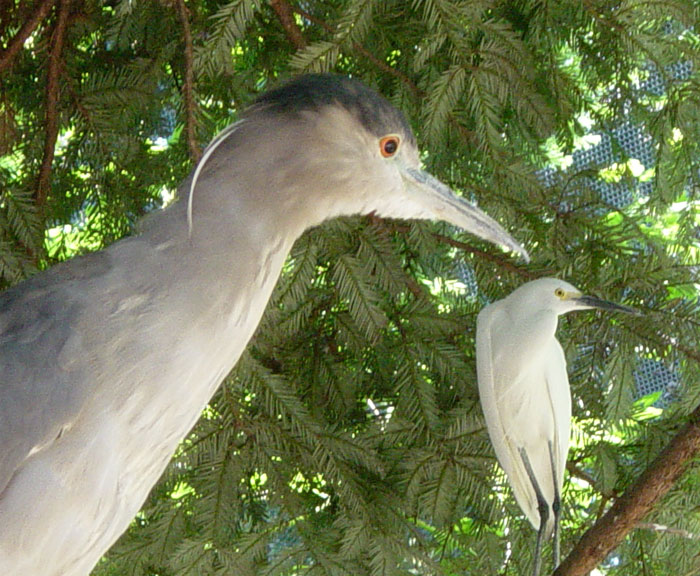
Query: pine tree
pixel 349 438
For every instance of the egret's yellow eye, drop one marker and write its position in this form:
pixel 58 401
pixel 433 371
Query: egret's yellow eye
pixel 389 145
pixel 559 293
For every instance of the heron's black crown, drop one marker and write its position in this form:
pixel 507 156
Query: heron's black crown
pixel 315 91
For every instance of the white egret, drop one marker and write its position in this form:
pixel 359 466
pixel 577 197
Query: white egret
pixel 524 392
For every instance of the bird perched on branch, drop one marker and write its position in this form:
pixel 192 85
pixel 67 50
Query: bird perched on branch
pixel 106 361
pixel 524 393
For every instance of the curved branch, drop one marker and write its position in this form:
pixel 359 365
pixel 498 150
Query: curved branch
pixel 52 98
pixel 188 86
pixel 18 40
pixel 285 14
pixel 628 510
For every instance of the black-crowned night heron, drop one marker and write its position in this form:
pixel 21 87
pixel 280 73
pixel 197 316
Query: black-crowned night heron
pixel 107 361
pixel 524 393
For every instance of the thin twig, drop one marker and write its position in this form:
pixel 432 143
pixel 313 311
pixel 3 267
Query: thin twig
pixel 628 510
pixel 52 100
pixel 15 45
pixel 285 14
pixel 577 472
pixel 668 530
pixel 188 86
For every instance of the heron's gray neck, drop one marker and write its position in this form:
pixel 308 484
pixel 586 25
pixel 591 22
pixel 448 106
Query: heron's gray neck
pixel 213 286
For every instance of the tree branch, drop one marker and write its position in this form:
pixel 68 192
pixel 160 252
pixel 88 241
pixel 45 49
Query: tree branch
pixel 52 98
pixel 188 86
pixel 18 40
pixel 285 14
pixel 628 510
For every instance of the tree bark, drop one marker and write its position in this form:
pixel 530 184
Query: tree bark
pixel 52 101
pixel 15 45
pixel 286 17
pixel 188 85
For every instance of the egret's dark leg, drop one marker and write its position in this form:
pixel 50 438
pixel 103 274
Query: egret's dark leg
pixel 542 508
pixel 556 507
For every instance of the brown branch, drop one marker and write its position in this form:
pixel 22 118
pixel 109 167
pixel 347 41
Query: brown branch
pixel 52 98
pixel 18 40
pixel 188 86
pixel 628 510
pixel 285 14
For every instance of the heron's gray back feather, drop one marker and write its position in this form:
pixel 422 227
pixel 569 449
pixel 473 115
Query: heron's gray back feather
pixel 41 357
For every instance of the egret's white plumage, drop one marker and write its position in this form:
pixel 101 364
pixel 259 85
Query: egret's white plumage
pixel 524 391
pixel 524 388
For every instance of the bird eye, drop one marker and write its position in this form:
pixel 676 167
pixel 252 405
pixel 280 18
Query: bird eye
pixel 559 293
pixel 388 146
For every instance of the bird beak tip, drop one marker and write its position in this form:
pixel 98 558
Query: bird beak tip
pixel 592 302
pixel 447 206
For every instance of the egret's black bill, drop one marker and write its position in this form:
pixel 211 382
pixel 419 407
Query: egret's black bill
pixel 593 302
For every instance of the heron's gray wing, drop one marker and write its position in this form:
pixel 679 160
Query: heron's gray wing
pixel 42 387
pixel 491 390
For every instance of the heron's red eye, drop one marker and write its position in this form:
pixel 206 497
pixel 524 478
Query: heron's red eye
pixel 389 145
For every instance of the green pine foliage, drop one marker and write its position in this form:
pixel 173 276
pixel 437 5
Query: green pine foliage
pixel 349 439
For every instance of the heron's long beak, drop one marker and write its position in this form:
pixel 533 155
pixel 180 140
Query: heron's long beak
pixel 446 205
pixel 593 302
